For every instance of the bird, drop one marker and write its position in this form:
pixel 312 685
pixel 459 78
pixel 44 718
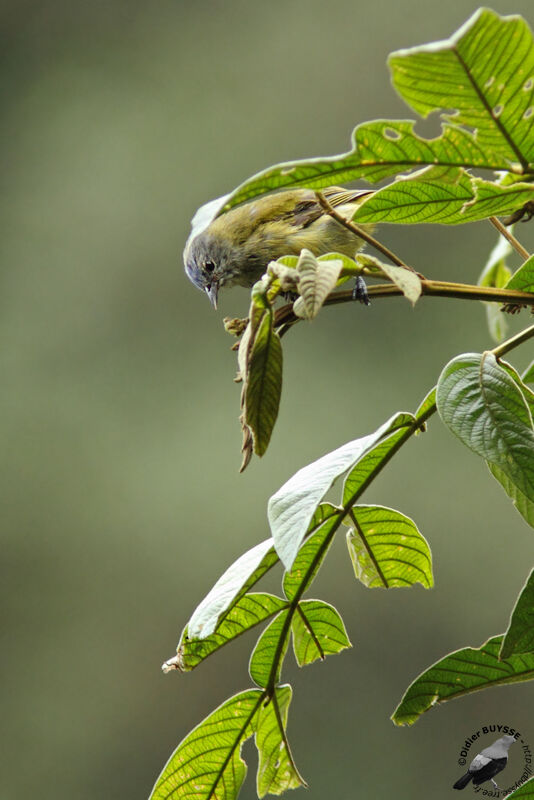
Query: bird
pixel 237 246
pixel 488 763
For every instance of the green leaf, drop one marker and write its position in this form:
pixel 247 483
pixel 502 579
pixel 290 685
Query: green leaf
pixel 318 631
pixel 317 279
pixel 525 390
pixel 380 148
pixel 493 96
pixel 312 553
pixel 494 199
pixel 387 549
pixel 483 72
pixel 519 637
pixel 232 585
pixel 482 404
pixel 270 651
pixel 427 405
pixel 276 769
pixel 496 275
pixel 442 195
pixel 264 384
pixel 523 279
pixel 373 459
pixel 208 763
pixel 292 507
pixel 460 673
pixel 525 792
pixel 528 374
pixel 524 505
pixel 249 611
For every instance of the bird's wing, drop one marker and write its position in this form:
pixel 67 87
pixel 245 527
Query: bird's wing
pixel 308 209
pixel 337 196
pixel 478 762
pixel 492 768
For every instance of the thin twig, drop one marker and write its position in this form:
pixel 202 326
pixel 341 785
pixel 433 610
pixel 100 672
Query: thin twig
pixel 516 340
pixel 360 232
pixel 504 231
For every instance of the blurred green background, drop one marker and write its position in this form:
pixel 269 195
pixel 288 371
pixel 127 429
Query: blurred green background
pixel 122 503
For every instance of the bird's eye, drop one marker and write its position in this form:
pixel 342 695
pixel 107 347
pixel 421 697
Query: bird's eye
pixel 209 266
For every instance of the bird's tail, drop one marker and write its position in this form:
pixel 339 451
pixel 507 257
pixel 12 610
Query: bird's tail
pixel 462 782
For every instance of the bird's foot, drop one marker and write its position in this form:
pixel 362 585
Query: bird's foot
pixel 360 291
pixel 493 782
pixel 289 296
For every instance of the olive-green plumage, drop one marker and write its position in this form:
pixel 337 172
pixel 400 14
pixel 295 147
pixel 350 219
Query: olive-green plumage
pixel 236 247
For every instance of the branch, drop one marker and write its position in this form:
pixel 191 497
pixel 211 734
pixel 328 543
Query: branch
pixel 503 230
pixel 515 341
pixel 285 316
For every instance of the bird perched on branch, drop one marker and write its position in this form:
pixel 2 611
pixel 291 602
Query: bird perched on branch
pixel 237 246
pixel 488 763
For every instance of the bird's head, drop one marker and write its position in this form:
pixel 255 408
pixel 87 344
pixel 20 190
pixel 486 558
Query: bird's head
pixel 507 740
pixel 209 261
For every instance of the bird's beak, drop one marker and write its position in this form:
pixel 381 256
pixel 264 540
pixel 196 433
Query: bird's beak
pixel 211 291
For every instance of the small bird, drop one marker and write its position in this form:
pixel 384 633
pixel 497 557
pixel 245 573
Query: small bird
pixel 488 763
pixel 236 247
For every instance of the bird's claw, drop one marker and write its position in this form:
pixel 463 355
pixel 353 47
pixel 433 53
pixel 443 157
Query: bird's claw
pixel 360 291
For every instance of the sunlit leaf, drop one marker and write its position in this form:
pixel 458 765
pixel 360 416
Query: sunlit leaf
pixel 494 199
pixel 291 508
pixel 381 148
pixel 234 583
pixel 249 611
pixel 318 631
pixel 493 96
pixel 442 195
pixel 312 553
pixel 427 405
pixel 276 769
pixel 523 279
pixel 460 673
pixel 268 655
pixel 369 464
pixel 519 637
pixel 208 763
pixel 387 549
pixel 485 73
